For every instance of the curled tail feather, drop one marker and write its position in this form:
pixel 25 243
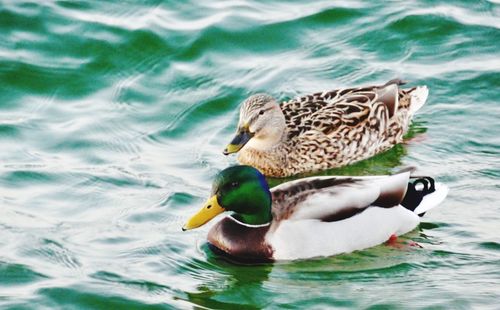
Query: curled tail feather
pixel 424 194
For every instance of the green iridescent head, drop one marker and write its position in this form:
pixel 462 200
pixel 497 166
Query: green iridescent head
pixel 241 189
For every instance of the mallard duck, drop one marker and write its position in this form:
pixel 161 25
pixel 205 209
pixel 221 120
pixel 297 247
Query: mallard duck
pixel 311 217
pixel 323 130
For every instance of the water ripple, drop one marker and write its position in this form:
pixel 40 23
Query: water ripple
pixel 113 117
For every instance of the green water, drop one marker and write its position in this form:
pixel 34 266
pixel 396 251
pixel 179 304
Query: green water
pixel 114 115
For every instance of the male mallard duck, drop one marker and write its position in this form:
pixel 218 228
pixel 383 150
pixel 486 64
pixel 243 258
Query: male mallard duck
pixel 323 130
pixel 310 217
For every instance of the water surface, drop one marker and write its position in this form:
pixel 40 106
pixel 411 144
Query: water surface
pixel 114 115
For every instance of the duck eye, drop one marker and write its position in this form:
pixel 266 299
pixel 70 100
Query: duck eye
pixel 234 184
pixel 261 112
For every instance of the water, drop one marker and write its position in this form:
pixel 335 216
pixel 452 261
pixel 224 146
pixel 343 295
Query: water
pixel 114 115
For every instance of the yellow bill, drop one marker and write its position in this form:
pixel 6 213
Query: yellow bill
pixel 232 148
pixel 242 137
pixel 210 210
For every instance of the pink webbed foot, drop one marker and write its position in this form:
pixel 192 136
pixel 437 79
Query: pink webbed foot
pixel 394 242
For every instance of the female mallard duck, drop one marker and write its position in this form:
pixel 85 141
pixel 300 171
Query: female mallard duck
pixel 310 217
pixel 324 130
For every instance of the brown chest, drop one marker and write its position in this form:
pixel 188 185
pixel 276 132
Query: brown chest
pixel 241 242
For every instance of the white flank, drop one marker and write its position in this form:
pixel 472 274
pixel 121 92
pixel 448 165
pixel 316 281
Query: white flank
pixel 336 199
pixel 418 98
pixel 300 239
pixel 433 199
pixel 333 199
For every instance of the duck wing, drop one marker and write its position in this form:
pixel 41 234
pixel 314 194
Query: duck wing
pixel 336 198
pixel 327 111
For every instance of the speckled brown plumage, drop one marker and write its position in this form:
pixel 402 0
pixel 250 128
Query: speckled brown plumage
pixel 335 128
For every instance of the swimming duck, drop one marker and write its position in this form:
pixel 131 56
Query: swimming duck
pixel 323 130
pixel 311 217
